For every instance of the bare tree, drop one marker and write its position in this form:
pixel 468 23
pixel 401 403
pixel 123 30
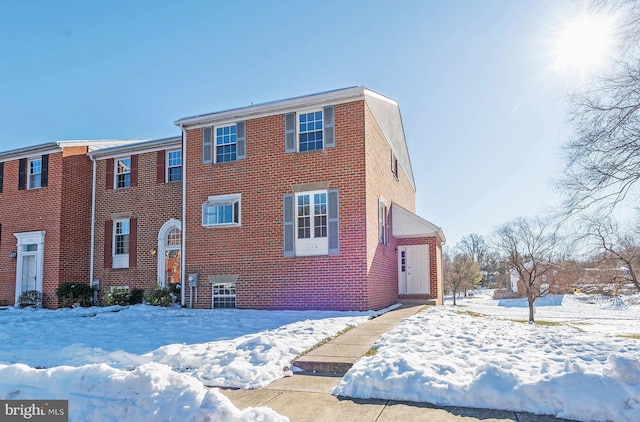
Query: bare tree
pixel 474 246
pixel 612 242
pixel 603 156
pixel 461 273
pixel 528 247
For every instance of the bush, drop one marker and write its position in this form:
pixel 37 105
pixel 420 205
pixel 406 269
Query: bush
pixel 30 298
pixel 71 293
pixel 116 297
pixel 160 296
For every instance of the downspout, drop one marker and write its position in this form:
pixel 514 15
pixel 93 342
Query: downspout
pixel 93 222
pixel 183 255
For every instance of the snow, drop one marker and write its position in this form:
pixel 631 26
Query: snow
pixel 146 363
pixel 480 354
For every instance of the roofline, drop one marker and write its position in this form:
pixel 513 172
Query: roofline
pixel 336 96
pixel 50 148
pixel 437 229
pixel 138 147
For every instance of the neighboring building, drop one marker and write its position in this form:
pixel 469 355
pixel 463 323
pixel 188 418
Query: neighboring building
pixel 138 207
pixel 305 203
pixel 45 217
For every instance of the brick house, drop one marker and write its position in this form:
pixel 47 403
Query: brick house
pixel 137 209
pixel 305 203
pixel 45 219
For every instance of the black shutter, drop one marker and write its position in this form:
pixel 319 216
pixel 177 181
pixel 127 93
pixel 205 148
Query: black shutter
pixel 22 174
pixel 44 175
pixel 1 175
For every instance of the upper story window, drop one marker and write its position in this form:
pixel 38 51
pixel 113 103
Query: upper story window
pixel 174 166
pixel 394 165
pixel 226 138
pixel 309 130
pixel 384 231
pixel 122 173
pixel 225 143
pixel 35 173
pixel 221 211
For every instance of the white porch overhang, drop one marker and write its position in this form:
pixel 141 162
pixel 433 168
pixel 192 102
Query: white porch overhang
pixel 405 224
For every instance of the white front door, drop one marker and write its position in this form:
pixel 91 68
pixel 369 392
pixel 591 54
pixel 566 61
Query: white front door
pixel 29 273
pixel 413 270
pixel 29 262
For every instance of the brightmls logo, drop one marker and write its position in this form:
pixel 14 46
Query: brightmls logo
pixel 34 410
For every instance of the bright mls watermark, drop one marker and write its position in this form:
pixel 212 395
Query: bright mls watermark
pixel 34 410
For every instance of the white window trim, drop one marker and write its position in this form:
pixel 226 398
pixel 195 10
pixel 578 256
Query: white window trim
pixel 115 172
pixel 167 167
pixel 313 245
pixel 119 260
pixel 221 200
pixel 215 144
pixel 29 174
pixel 298 133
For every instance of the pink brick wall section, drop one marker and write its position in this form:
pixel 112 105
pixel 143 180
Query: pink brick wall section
pixel 65 245
pixel 254 251
pixel 153 204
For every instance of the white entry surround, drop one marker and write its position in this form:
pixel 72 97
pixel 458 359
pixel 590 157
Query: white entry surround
pixel 413 270
pixel 29 261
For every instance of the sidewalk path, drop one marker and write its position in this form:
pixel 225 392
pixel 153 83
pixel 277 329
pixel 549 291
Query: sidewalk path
pixel 307 396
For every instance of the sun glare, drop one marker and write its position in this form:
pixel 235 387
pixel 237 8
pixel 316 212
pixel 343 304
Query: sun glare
pixel 584 43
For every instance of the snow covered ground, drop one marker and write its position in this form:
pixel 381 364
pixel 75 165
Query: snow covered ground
pixel 145 363
pixel 480 354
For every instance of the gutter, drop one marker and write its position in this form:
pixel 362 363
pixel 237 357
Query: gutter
pixel 93 222
pixel 183 255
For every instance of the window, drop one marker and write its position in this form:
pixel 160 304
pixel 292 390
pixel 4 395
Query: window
pixel 394 164
pixel 121 232
pixel 221 211
pixel 174 166
pixel 123 173
pixel 224 295
pixel 311 223
pixel 35 173
pixel 224 144
pixel 309 130
pixel 226 138
pixel 383 223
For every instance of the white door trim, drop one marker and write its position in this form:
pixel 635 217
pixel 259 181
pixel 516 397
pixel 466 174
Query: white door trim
pixel 162 247
pixel 407 267
pixel 25 239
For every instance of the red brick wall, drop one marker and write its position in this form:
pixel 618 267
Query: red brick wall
pixel 254 251
pixel 75 239
pixel 26 211
pixel 382 260
pixel 153 204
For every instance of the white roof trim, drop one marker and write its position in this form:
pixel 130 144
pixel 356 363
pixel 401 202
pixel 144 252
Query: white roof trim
pixel 138 147
pixel 276 107
pixel 405 224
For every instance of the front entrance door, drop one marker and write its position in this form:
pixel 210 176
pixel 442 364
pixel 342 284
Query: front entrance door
pixel 413 270
pixel 29 262
pixel 29 273
pixel 169 247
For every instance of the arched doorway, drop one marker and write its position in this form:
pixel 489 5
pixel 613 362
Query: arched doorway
pixel 169 245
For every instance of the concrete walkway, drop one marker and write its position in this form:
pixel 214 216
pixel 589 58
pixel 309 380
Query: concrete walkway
pixel 307 396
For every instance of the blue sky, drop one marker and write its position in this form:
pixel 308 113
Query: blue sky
pixel 484 113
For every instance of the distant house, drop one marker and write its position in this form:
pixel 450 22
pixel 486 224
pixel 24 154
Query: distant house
pixel 302 203
pixel 45 217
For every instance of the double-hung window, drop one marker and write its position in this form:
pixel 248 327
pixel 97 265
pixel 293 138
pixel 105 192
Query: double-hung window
pixel 35 173
pixel 123 173
pixel 225 143
pixel 309 130
pixel 121 232
pixel 174 166
pixel 221 211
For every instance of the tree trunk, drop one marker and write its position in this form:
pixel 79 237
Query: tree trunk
pixel 454 298
pixel 531 300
